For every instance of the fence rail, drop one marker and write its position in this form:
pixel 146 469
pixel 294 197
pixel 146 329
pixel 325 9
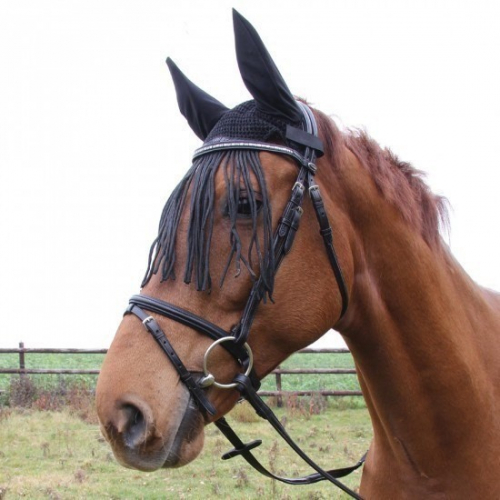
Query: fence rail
pixel 22 351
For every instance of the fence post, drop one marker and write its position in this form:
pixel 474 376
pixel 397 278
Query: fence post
pixel 279 399
pixel 22 365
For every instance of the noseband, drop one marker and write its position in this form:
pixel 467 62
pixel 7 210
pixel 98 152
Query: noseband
pixel 235 341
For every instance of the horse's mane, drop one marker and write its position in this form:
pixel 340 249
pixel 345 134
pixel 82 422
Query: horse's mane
pixel 398 181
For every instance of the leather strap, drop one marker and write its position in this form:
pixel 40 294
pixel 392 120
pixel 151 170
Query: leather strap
pixel 327 234
pixel 282 242
pixel 184 317
pixel 244 450
pixel 184 374
pixel 304 138
pixel 226 145
pixel 191 320
pixel 245 388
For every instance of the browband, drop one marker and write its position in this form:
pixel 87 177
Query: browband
pixel 255 145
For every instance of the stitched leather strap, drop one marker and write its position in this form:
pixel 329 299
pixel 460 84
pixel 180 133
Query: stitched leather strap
pixel 304 138
pixel 224 145
pixel 244 450
pixel 154 329
pixel 245 388
pixel 327 234
pixel 191 320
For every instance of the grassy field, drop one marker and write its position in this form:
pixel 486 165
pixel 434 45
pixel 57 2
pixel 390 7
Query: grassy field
pixel 61 454
pixel 57 455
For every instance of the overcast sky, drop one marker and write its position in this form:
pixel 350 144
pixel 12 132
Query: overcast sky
pixel 92 143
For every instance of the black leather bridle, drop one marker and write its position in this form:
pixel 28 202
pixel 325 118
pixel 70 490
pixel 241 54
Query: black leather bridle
pixel 235 342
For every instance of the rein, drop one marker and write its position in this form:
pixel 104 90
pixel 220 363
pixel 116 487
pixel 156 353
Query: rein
pixel 235 342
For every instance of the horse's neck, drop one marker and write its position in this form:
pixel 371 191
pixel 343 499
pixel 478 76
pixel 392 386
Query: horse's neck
pixel 423 337
pixel 418 328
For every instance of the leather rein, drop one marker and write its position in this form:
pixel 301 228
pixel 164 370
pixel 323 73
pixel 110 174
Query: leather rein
pixel 235 341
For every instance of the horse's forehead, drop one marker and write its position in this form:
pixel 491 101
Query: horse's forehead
pixel 278 167
pixel 278 171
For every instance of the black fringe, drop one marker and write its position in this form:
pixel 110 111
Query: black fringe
pixel 238 168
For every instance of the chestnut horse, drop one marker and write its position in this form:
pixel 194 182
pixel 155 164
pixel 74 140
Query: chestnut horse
pixel 424 336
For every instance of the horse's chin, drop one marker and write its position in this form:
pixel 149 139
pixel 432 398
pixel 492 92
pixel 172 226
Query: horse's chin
pixel 179 446
pixel 189 439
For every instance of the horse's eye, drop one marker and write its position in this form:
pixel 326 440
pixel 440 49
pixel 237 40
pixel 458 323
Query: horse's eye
pixel 245 207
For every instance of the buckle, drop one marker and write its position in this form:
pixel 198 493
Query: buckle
pixel 312 167
pixel 147 320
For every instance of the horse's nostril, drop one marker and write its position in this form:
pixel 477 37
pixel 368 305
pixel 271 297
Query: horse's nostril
pixel 133 424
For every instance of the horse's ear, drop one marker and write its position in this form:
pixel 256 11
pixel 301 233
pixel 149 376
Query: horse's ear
pixel 260 75
pixel 201 110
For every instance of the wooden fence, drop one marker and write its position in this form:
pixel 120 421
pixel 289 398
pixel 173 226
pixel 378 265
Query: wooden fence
pixel 279 393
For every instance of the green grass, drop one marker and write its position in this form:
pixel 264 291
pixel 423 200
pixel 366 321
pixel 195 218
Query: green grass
pixel 56 455
pixel 52 361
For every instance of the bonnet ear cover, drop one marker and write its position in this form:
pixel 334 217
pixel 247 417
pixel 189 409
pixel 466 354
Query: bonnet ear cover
pixel 201 110
pixel 259 73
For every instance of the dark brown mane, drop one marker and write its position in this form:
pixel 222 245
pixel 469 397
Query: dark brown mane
pixel 398 181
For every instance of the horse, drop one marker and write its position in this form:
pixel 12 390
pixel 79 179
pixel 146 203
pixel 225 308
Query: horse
pixel 232 263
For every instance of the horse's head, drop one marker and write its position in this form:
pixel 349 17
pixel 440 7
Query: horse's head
pixel 223 233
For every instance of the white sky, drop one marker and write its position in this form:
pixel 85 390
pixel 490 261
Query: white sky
pixel 92 143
